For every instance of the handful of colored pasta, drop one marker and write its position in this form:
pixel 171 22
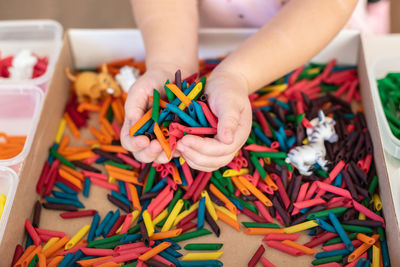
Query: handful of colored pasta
pixel 186 112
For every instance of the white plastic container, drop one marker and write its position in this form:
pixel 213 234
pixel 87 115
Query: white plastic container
pixel 380 68
pixel 20 107
pixel 42 37
pixel 8 186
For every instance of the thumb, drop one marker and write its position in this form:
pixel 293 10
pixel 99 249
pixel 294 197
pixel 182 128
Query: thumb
pixel 228 121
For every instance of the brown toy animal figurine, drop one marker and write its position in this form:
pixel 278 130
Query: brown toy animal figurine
pixel 94 85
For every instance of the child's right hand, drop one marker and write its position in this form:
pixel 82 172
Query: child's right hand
pixel 136 105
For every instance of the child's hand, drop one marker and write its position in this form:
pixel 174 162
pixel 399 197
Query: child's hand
pixel 136 105
pixel 228 100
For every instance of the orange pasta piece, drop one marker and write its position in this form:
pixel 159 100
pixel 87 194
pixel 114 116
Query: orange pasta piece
pixel 365 239
pixel 99 136
pixel 260 103
pixel 361 249
pixel 90 262
pixel 228 220
pixel 240 186
pixel 262 231
pixel 135 197
pixel 298 246
pixel 145 118
pixel 108 264
pixel 70 178
pixel 271 183
pixel 126 178
pixel 274 93
pixel 228 204
pixel 80 155
pixel 27 252
pixel 64 143
pixel 105 132
pixel 118 111
pixel 88 106
pixel 154 251
pixel 72 126
pixel 257 193
pixel 167 234
pixel 179 94
pixel 176 176
pixel 162 140
pixel 55 261
pixel 73 172
pixel 104 107
pixel 92 142
pixel 31 255
pixel 111 168
pixel 114 149
pixel 107 126
pixel 42 260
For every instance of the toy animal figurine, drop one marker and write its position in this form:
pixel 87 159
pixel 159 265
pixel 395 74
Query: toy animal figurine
pixel 304 157
pixel 127 77
pixel 94 85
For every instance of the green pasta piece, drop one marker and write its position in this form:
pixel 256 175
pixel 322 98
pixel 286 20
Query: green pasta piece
pixel 329 87
pixel 186 204
pixel 357 229
pixel 166 124
pixel 337 240
pixel 258 166
pixel 111 239
pixel 110 115
pixel 156 105
pixel 135 229
pixel 190 235
pixel 260 225
pixel 119 165
pixel 169 93
pixel 272 155
pixel 150 179
pixel 34 261
pixel 110 245
pixel 337 258
pixel 324 213
pixel 62 159
pixel 204 246
pixel 178 195
pixel 373 185
pixel 132 264
pixel 322 173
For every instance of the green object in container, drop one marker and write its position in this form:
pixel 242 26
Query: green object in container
pixel 337 258
pixel 190 235
pixel 34 261
pixel 260 225
pixel 204 246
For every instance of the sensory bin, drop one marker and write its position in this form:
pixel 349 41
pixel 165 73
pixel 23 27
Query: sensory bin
pixel 161 209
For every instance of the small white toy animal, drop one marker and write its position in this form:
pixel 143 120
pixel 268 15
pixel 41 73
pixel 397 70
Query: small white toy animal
pixel 304 157
pixel 22 65
pixel 127 77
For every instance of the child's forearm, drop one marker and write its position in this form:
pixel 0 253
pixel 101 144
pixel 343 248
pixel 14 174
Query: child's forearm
pixel 169 29
pixel 297 33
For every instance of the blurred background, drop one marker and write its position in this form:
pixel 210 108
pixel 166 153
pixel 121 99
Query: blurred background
pixel 374 17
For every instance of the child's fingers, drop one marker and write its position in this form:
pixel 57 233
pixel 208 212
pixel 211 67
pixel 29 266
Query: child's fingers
pixel 228 115
pixel 136 103
pixel 205 161
pixel 162 158
pixel 133 144
pixel 206 146
pixel 150 153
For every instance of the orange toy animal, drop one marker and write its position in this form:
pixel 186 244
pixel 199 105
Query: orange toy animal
pixel 94 85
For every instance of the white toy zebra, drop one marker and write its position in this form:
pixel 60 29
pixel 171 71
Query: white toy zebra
pixel 304 157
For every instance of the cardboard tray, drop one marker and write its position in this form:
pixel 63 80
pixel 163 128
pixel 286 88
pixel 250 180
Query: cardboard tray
pixel 91 47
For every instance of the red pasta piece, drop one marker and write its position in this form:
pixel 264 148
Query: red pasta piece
pixel 77 214
pixel 284 248
pixel 256 257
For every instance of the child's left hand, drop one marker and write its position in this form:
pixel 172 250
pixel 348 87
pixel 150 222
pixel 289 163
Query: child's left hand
pixel 228 100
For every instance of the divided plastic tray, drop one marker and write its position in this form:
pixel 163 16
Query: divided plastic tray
pixel 8 186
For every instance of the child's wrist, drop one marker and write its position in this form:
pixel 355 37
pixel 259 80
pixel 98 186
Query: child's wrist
pixel 221 76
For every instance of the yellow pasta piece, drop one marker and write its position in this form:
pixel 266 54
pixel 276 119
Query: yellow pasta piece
pixel 77 237
pixel 209 205
pixel 148 222
pixel 202 256
pixel 172 216
pixel 300 227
